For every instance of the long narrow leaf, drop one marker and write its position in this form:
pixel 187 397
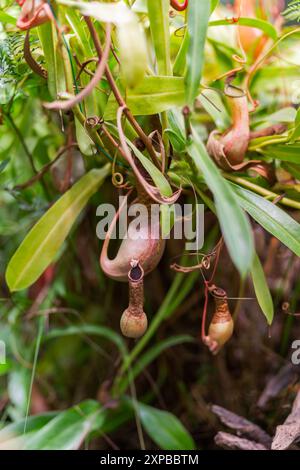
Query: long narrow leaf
pixel 262 290
pixel 271 217
pixel 198 16
pixel 152 96
pixel 165 429
pixel 158 12
pixel 264 26
pixel 68 430
pixel 234 223
pixel 41 245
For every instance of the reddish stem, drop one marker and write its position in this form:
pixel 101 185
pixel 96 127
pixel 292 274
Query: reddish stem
pixel 207 289
pixel 203 335
pixel 65 105
pixel 119 98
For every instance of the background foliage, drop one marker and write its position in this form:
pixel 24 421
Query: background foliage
pixel 70 379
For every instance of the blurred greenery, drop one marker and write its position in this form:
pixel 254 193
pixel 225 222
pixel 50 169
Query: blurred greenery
pixel 70 379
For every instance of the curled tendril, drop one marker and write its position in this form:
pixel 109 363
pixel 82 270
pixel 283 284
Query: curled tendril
pixel 68 104
pixel 151 190
pixel 94 122
pixel 181 28
pixel 156 139
pixel 84 65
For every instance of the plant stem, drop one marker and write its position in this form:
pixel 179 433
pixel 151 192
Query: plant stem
pixel 27 152
pixel 120 100
pixel 265 143
pixel 262 191
pixel 22 142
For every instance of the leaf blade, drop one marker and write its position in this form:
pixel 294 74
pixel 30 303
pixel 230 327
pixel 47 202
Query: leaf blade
pixel 152 95
pixel 198 16
pixel 262 290
pixel 263 25
pixel 42 243
pixel 158 13
pixel 270 217
pixel 234 223
pixel 67 430
pixel 165 429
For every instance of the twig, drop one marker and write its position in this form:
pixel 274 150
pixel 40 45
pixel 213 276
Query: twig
pixel 84 65
pixel 117 94
pixel 242 426
pixel 289 431
pixel 22 142
pixel 35 67
pixel 229 441
pixel 152 191
pixel 44 170
pixel 262 191
pixel 68 104
pixel 275 129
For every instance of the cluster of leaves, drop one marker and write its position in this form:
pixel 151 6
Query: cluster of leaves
pixel 57 230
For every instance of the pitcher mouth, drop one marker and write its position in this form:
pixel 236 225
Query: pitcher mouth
pixel 33 18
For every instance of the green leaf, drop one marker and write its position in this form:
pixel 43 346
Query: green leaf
pixel 6 18
pixel 12 436
pixel 214 4
pixel 79 28
pixel 43 242
pixel 214 106
pixel 261 289
pixel 87 329
pixel 293 169
pixel 296 133
pixel 180 61
pixel 265 26
pixel 47 40
pixel 176 131
pixel 198 16
pixel 158 13
pixel 131 37
pixel 234 223
pixel 4 164
pixel 132 51
pixel 158 178
pixel 152 96
pixel 67 430
pixel 292 12
pixel 287 114
pixel 271 217
pixel 18 385
pixel 150 355
pixel 165 429
pixel 285 153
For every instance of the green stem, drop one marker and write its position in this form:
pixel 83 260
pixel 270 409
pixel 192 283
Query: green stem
pixel 265 143
pixel 180 61
pixel 207 200
pixel 286 334
pixel 262 191
pixel 164 126
pixel 22 142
